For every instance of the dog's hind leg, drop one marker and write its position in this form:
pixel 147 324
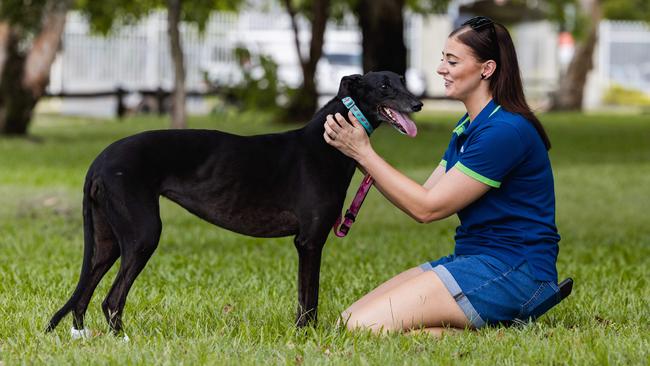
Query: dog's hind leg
pixel 100 252
pixel 137 226
pixel 105 253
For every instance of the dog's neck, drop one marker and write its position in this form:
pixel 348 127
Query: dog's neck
pixel 312 135
pixel 315 128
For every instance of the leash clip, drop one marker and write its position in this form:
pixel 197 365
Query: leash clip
pixel 350 216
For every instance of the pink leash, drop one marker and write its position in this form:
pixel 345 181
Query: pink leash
pixel 355 206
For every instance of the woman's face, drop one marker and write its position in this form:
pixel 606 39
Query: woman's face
pixel 460 70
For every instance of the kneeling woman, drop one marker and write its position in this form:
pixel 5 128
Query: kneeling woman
pixel 495 174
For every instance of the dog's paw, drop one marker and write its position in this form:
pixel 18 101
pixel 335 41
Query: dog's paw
pixel 126 338
pixel 80 333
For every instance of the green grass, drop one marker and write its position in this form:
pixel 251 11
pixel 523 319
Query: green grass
pixel 209 296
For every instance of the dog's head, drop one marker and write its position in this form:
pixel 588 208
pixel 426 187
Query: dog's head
pixel 382 97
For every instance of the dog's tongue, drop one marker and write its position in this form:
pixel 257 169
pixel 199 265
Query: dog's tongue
pixel 407 124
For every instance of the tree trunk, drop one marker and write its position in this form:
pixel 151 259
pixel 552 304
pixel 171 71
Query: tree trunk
pixel 25 75
pixel 16 101
pixel 382 29
pixel 570 91
pixel 179 116
pixel 304 103
pixel 5 35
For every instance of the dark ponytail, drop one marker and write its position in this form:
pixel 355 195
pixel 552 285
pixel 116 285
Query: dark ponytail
pixel 491 41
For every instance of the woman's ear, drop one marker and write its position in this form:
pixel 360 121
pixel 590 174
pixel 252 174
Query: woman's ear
pixel 489 67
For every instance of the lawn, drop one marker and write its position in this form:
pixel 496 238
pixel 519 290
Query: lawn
pixel 209 296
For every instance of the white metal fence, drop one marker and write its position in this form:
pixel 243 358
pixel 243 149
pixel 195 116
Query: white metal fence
pixel 624 54
pixel 536 45
pixel 622 58
pixel 137 56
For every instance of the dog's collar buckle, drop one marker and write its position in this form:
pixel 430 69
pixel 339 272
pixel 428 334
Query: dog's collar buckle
pixel 349 103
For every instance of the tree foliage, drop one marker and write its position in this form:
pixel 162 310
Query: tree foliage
pixel 428 6
pixel 103 15
pixel 342 7
pixel 570 15
pixel 28 16
pixel 30 33
pixel 106 14
pixel 627 10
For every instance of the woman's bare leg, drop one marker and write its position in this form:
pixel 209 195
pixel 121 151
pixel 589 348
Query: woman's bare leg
pixel 421 301
pixel 380 290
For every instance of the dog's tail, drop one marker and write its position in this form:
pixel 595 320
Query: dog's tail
pixel 90 190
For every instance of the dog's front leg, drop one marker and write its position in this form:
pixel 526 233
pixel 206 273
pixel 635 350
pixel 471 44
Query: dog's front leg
pixel 309 257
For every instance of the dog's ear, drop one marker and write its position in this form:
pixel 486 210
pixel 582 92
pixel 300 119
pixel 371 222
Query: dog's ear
pixel 348 84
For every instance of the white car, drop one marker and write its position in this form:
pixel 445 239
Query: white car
pixel 332 67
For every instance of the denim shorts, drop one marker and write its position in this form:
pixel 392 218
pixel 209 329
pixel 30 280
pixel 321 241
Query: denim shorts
pixel 490 291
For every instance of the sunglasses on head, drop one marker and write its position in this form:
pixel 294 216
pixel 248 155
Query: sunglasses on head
pixel 478 23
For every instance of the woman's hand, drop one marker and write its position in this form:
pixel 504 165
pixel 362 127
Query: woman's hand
pixel 348 137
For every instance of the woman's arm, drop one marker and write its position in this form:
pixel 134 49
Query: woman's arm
pixel 435 176
pixel 453 191
pixel 450 192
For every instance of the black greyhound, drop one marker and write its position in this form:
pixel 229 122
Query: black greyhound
pixel 274 185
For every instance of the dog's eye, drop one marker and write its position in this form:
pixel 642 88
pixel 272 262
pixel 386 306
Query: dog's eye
pixel 384 86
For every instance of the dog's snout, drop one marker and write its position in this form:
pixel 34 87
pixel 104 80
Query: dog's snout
pixel 416 106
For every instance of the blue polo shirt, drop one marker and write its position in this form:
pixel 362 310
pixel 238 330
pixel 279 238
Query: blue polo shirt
pixel 515 220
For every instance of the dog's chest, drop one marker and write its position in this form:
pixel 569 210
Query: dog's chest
pixel 258 221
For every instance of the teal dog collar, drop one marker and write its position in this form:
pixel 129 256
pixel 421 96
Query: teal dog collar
pixel 349 103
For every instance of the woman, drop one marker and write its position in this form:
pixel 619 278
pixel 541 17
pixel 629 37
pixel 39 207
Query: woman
pixel 495 174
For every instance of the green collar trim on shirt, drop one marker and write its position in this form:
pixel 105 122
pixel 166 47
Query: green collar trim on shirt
pixel 461 127
pixel 494 111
